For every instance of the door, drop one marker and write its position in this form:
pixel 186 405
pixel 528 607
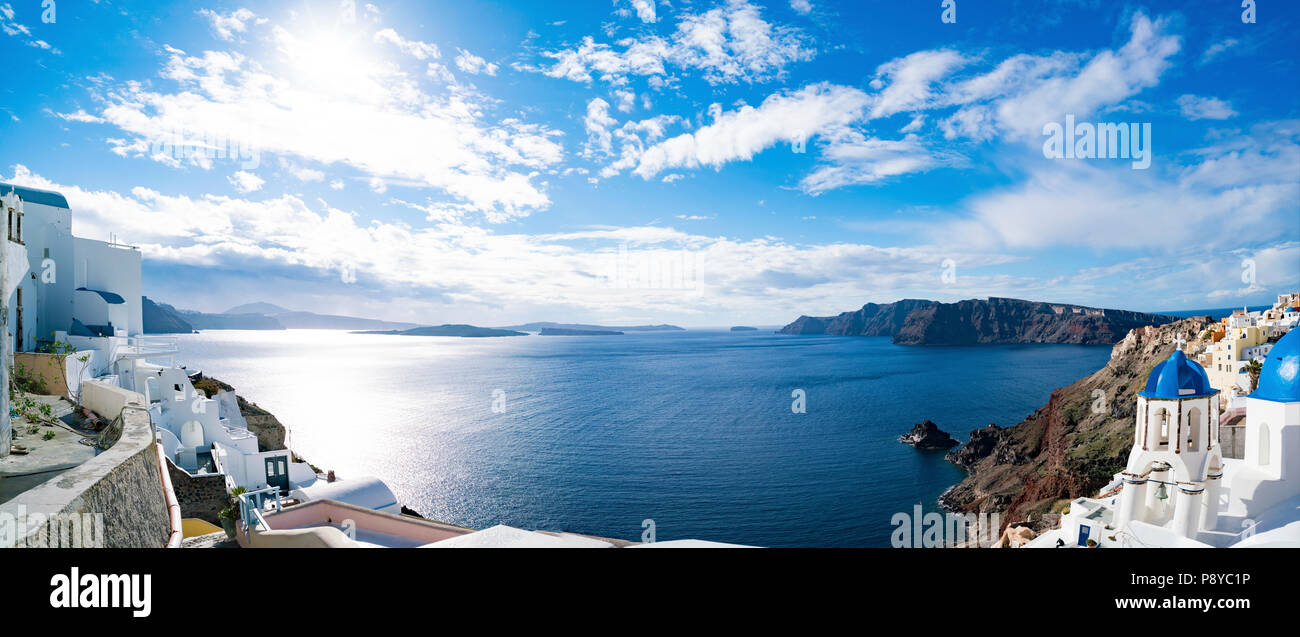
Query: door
pixel 277 473
pixel 1084 532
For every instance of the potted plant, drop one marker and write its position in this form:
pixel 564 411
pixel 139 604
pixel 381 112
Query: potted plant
pixel 230 515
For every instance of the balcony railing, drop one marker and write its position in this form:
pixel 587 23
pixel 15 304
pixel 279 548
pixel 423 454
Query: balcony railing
pixel 151 346
pixel 251 504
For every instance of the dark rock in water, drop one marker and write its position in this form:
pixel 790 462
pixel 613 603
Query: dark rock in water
pixel 411 512
pixel 744 328
pixel 928 435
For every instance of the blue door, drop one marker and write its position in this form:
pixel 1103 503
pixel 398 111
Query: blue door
pixel 277 473
pixel 1084 532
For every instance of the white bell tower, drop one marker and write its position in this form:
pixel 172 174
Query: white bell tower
pixel 1175 467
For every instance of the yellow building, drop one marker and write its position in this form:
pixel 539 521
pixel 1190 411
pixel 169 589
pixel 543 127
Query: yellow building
pixel 1228 354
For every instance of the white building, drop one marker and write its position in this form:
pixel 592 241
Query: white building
pixel 87 294
pixel 68 278
pixel 1179 489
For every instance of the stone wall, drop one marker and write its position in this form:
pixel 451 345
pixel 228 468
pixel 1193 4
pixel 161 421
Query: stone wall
pixel 47 367
pixel 200 496
pixel 116 496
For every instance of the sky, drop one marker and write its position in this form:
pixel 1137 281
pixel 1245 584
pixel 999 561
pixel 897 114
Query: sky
pixel 690 162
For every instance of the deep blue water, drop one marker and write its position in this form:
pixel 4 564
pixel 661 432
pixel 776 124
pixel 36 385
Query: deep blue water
pixel 691 429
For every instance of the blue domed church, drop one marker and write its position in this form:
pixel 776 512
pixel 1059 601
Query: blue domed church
pixel 1180 487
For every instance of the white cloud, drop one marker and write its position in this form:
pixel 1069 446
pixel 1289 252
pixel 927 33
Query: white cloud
pixel 802 7
pixel 80 116
pixel 905 83
pixel 1217 49
pixel 1026 92
pixel 727 44
pixel 1194 107
pixel 21 31
pixel 598 122
pixel 645 9
pixel 301 173
pixel 478 272
pixel 1237 189
pixel 414 48
pixel 227 25
pixel 738 135
pixel 246 182
pixel 333 99
pixel 473 64
pixel 853 159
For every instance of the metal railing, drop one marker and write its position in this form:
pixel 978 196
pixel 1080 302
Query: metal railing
pixel 251 504
pixel 152 345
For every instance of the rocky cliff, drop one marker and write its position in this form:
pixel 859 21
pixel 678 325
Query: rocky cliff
pixel 1000 320
pixel 995 320
pixel 160 318
pixel 206 321
pixel 1073 445
pixel 872 320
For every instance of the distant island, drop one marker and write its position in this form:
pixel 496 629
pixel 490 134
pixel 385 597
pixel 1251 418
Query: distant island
pixel 464 331
pixel 161 318
pixel 974 321
pixel 539 326
pixel 560 331
pixel 298 320
pixel 744 328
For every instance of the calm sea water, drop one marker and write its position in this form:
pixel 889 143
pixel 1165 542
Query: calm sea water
pixel 693 430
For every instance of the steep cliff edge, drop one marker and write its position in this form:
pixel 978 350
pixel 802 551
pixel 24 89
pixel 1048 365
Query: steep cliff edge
pixel 160 318
pixel 1073 445
pixel 993 320
pixel 872 320
pixel 1001 320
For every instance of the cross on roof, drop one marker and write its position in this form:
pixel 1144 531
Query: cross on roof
pixel 1179 341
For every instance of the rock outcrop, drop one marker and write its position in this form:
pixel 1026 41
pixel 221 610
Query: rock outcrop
pixel 995 320
pixel 1073 445
pixel 928 435
pixel 872 320
pixel 206 321
pixel 1000 320
pixel 262 423
pixel 160 318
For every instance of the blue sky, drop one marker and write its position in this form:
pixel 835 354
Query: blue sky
pixel 702 163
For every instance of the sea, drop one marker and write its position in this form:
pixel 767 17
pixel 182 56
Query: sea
pixel 742 437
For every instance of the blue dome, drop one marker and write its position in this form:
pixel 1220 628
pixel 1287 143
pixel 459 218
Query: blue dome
pixel 1177 378
pixel 1279 381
